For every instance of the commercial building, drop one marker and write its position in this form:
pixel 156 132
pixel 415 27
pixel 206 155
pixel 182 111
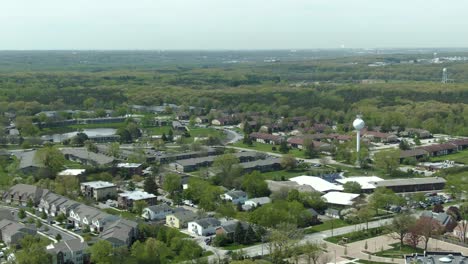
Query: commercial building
pixel 413 184
pixel 317 183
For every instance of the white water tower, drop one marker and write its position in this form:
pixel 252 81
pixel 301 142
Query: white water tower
pixel 358 124
pixel 444 75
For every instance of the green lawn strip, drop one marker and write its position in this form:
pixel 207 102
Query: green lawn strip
pixel 358 235
pixel 158 130
pixel 395 251
pixel 238 246
pixel 328 225
pixel 459 157
pixel 123 214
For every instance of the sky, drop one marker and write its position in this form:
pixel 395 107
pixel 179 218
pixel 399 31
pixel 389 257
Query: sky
pixel 231 24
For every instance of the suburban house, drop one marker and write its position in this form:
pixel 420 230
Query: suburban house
pixel 177 126
pixel 255 202
pixel 413 184
pixel 203 227
pixel 445 220
pixel 460 143
pixel 228 228
pixel 298 142
pixel 266 138
pixel 131 168
pixel 263 165
pixel 83 156
pixel 440 149
pixel 202 120
pixel 314 220
pixel 416 132
pixel 157 212
pixel 99 190
pixel 376 136
pixel 180 219
pixel 127 199
pixel 27 162
pixel 12 232
pixel 333 213
pixel 22 193
pixel 120 233
pixel 235 196
pixel 224 121
pixel 417 153
pixel 68 251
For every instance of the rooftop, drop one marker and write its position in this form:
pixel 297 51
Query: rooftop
pixel 71 172
pixel 410 181
pixel 137 195
pixel 364 181
pixel 317 183
pixel 128 165
pixel 340 198
pixel 98 184
pixel 437 258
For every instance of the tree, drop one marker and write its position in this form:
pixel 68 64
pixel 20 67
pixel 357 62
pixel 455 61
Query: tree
pixel 239 234
pixel 58 237
pixel 288 162
pixel 352 187
pixel 283 148
pixel 61 218
pixel 172 184
pixel 131 186
pixel 438 208
pixel 250 236
pixel 21 214
pixel 309 148
pixel 404 145
pixel 364 214
pixel 33 251
pixel 38 223
pixel 462 227
pixel 427 227
pixel 150 185
pixel 101 252
pixel 227 209
pixel 387 160
pixel 91 146
pixel 282 239
pixel 254 184
pixel 138 207
pixel 125 136
pixel 151 251
pixel 313 251
pixel 43 215
pixel 79 139
pixel 228 171
pixel 89 103
pixel 417 141
pixel 51 158
pixel 383 197
pixel 401 226
pixel 114 150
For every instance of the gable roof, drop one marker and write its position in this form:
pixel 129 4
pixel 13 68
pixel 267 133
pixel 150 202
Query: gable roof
pixel 72 245
pixel 159 208
pixel 235 194
pixel 340 198
pixel 207 222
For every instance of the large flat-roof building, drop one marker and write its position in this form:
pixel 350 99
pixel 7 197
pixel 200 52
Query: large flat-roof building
pixel 413 184
pixel 99 190
pixel 127 199
pixel 317 183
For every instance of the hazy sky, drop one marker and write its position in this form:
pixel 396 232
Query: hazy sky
pixel 231 24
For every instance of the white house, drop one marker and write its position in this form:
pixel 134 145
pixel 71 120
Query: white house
pixel 255 202
pixel 157 212
pixel 68 251
pixel 235 196
pixel 203 227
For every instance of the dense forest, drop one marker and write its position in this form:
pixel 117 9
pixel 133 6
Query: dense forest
pixel 324 85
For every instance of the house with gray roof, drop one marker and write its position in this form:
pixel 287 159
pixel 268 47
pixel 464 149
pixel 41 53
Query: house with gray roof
pixel 83 156
pixel 157 212
pixel 263 165
pixel 121 233
pixel 180 219
pixel 255 202
pixel 228 228
pixel 68 251
pixel 28 164
pixel 22 193
pixel 12 232
pixel 203 227
pixel 235 196
pixel 443 219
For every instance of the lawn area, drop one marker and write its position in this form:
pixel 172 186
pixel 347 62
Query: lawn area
pixel 124 214
pixel 395 251
pixel 158 130
pixel 268 148
pixel 459 157
pixel 237 246
pixel 335 223
pixel 357 235
pixel 205 132
pixel 73 165
pixel 286 174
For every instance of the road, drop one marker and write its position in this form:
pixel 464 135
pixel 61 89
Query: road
pixel 260 249
pixel 53 230
pixel 232 136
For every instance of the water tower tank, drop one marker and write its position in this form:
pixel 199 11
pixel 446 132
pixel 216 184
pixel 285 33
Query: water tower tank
pixel 358 123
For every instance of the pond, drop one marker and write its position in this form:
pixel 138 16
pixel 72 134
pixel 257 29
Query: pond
pixel 91 132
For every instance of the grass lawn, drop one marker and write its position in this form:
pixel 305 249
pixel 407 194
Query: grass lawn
pixel 124 214
pixel 237 246
pixel 395 251
pixel 205 132
pixel 286 174
pixel 335 223
pixel 268 148
pixel 158 130
pixel 73 165
pixel 459 157
pixel 357 235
